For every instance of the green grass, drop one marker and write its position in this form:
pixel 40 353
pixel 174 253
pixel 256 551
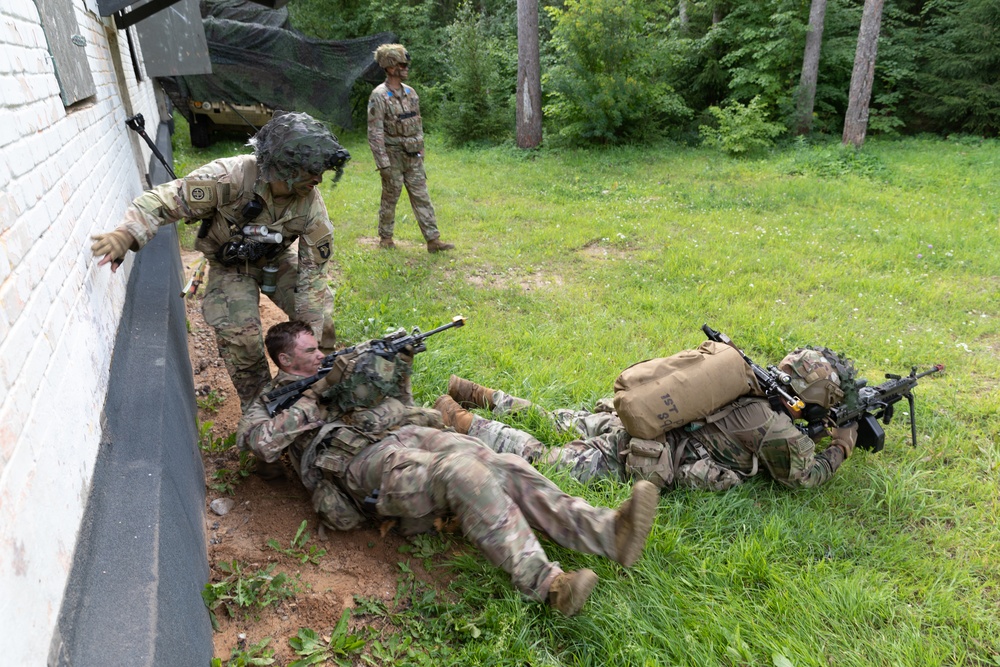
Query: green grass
pixel 571 265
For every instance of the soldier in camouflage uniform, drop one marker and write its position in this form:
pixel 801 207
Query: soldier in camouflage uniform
pixel 364 450
pixel 396 137
pixel 716 454
pixel 274 190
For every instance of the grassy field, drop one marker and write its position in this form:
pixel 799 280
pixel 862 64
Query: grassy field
pixel 571 265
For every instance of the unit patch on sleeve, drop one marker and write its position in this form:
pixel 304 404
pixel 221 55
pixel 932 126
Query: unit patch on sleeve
pixel 200 192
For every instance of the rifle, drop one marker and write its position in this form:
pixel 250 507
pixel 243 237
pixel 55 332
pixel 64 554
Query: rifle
pixel 770 379
pixel 387 348
pixel 191 288
pixel 875 403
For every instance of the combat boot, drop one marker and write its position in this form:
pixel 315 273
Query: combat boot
pixel 453 414
pixel 386 243
pixel 437 245
pixel 633 521
pixel 468 394
pixel 570 590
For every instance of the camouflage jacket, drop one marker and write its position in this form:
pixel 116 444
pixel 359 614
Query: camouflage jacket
pixel 219 191
pixel 394 122
pixel 267 437
pixel 747 433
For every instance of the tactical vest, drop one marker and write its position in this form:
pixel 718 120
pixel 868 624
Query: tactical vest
pixel 238 206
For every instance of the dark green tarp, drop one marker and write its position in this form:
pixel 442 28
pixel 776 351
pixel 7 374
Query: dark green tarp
pixel 257 57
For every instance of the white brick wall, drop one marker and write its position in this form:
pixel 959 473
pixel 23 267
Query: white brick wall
pixel 63 177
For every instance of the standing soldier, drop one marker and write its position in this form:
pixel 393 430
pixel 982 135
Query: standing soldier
pixel 396 137
pixel 252 208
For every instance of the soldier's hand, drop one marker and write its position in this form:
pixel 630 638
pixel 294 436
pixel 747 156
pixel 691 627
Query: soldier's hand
pixel 112 246
pixel 406 354
pixel 845 437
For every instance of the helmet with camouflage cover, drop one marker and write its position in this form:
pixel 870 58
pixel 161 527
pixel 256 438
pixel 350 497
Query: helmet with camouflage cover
pixel 820 376
pixel 291 143
pixel 390 55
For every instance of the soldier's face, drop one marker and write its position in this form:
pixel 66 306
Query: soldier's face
pixel 301 185
pixel 403 71
pixel 305 358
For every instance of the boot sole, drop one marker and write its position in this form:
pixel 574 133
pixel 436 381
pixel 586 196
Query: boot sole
pixel 588 580
pixel 645 499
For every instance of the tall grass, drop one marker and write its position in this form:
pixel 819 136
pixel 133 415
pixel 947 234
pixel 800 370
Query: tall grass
pixel 572 265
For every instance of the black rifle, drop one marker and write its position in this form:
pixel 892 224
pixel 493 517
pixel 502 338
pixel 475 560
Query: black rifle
pixel 387 348
pixel 875 403
pixel 770 379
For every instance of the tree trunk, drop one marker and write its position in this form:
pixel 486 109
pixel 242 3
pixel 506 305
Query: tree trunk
pixel 806 97
pixel 856 120
pixel 529 76
pixel 682 15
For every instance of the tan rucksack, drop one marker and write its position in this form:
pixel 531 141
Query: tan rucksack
pixel 657 395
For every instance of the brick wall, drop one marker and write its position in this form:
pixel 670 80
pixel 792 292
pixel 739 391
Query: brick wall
pixel 64 174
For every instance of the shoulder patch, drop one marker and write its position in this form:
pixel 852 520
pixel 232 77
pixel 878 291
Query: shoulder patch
pixel 324 249
pixel 200 192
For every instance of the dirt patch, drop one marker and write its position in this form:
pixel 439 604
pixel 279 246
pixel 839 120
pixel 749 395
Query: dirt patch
pixel 360 562
pixel 485 278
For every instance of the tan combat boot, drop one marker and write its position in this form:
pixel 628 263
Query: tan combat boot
pixel 468 394
pixel 453 414
pixel 570 590
pixel 386 243
pixel 633 521
pixel 437 245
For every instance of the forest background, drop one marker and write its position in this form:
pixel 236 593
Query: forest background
pixel 633 71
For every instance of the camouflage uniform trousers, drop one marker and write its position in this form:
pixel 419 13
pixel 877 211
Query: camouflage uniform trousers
pixel 594 456
pixel 232 308
pixel 409 170
pixel 498 500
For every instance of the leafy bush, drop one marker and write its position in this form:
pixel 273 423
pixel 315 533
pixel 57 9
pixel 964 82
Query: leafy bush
pixel 742 128
pixel 606 84
pixel 478 105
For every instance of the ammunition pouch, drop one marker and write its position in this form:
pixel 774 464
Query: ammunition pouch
pixel 650 460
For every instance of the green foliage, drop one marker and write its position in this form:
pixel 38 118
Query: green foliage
pixel 248 656
pixel 313 649
pixel 764 43
pixel 297 548
pixel 211 443
pixel 482 66
pixel 957 88
pixel 421 626
pixel 246 591
pixel 742 129
pixel 834 160
pixel 226 479
pixel 605 86
pixel 211 402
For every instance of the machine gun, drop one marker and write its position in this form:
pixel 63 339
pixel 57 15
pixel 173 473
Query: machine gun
pixel 772 380
pixel 387 348
pixel 875 403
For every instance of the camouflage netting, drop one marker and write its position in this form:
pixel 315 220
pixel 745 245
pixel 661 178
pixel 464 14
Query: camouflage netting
pixel 258 57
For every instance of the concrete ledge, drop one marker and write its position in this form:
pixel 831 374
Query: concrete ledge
pixel 134 593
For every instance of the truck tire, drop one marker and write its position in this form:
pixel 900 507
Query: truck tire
pixel 201 131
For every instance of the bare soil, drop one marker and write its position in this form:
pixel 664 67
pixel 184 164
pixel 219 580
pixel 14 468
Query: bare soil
pixel 361 562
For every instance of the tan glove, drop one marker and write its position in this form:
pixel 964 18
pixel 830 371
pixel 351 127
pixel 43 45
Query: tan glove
pixel 112 246
pixel 845 437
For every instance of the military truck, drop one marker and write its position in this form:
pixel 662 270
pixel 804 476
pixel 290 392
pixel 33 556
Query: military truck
pixel 211 117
